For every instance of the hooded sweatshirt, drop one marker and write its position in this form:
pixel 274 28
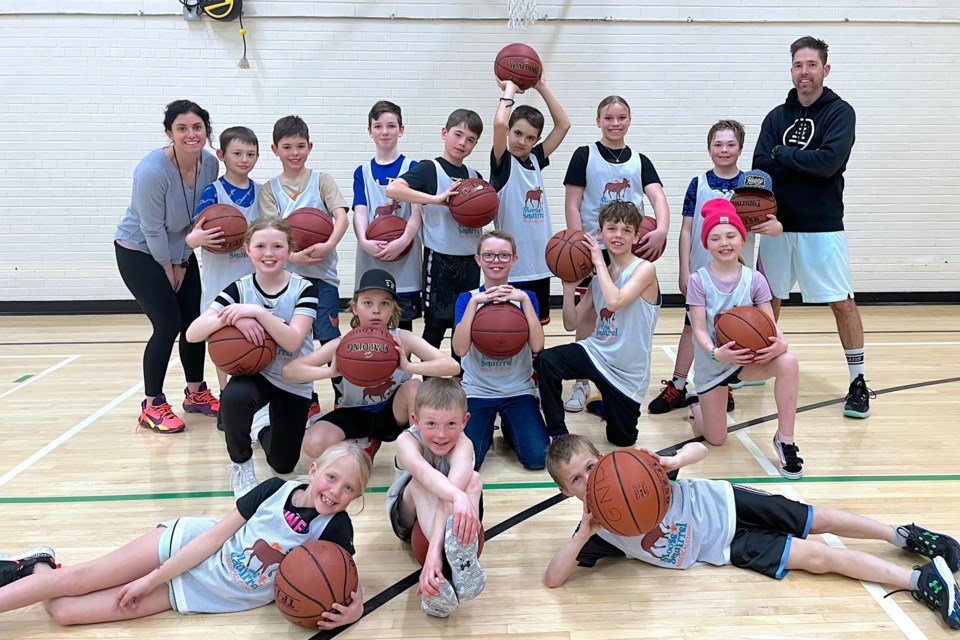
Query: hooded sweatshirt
pixel 805 150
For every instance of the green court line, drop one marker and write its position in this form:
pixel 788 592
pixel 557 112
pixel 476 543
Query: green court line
pixel 190 495
pixel 22 378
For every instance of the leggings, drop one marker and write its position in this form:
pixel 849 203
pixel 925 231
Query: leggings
pixel 169 312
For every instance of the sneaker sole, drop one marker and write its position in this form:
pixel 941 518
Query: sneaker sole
pixel 790 475
pixel 164 432
pixel 442 605
pixel 195 409
pixel 29 553
pixel 470 581
pixel 569 410
pixel 850 413
pixel 946 576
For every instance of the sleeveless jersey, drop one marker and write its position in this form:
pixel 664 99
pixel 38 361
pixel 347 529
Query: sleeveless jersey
pixel 370 397
pixel 607 182
pixel 326 269
pixel 698 528
pixel 441 233
pixel 699 256
pixel 529 222
pixel 707 373
pixel 285 306
pixel 486 377
pixel 402 477
pixel 239 576
pixel 622 342
pixel 406 270
pixel 220 269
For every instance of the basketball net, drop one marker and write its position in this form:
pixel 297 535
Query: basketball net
pixel 523 13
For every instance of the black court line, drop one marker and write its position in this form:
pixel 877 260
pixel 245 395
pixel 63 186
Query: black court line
pixel 402 585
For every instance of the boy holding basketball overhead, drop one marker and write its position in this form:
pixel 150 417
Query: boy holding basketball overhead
pixel 502 386
pixel 516 162
pixel 370 203
pixel 239 151
pixel 448 264
pixel 436 486
pixel 625 299
pixel 714 522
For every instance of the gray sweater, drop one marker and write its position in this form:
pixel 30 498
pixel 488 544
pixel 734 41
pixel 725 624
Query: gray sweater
pixel 158 218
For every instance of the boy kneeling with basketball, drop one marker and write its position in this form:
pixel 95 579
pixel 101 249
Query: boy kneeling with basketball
pixel 437 487
pixel 714 522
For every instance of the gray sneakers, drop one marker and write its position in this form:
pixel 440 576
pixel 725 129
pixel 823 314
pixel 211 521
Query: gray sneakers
pixel 468 577
pixel 442 605
pixel 243 479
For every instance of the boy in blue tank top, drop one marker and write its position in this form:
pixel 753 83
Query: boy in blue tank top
pixel 714 522
pixel 448 264
pixel 626 300
pixel 370 180
pixel 516 164
pixel 501 386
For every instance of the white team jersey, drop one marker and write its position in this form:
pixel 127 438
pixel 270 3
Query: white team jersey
pixel 220 269
pixel 326 269
pixel 524 214
pixel 441 233
pixel 606 182
pixel 354 396
pixel 708 373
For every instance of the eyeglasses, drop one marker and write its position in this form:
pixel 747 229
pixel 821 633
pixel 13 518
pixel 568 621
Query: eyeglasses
pixel 499 257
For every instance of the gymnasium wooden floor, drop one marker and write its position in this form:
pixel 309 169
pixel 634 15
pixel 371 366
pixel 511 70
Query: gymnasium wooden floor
pixel 76 477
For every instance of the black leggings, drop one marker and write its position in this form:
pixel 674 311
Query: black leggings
pixel 169 312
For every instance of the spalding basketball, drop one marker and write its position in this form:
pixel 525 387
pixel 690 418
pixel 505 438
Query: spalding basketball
pixel 233 353
pixel 232 225
pixel 749 327
pixel 519 63
pixel 568 257
pixel 753 206
pixel 311 578
pixel 367 357
pixel 628 492
pixel 386 229
pixel 475 203
pixel 500 330
pixel 310 226
pixel 647 224
pixel 419 544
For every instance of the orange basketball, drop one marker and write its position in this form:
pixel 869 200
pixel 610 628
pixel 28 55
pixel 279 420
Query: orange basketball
pixel 311 578
pixel 367 357
pixel 753 205
pixel 475 203
pixel 568 257
pixel 500 331
pixel 628 492
pixel 231 222
pixel 519 63
pixel 647 224
pixel 386 229
pixel 748 326
pixel 419 544
pixel 232 352
pixel 310 226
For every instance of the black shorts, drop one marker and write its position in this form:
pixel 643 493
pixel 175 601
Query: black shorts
pixel 445 277
pixel 405 533
pixel 766 525
pixel 686 316
pixel 541 289
pixel 368 422
pixel 585 283
pixel 410 306
pixel 735 375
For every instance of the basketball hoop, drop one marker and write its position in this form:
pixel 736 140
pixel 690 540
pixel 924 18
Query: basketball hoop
pixel 523 13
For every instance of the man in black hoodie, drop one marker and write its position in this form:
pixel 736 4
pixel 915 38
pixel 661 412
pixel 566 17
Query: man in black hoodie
pixel 804 145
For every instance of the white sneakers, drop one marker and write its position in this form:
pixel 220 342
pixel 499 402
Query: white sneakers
pixel 243 478
pixel 578 397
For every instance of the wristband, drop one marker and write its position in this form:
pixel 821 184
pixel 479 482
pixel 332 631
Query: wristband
pixel 713 354
pixel 510 100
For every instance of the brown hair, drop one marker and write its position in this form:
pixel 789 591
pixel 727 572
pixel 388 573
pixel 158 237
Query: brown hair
pixel 562 450
pixel 809 42
pixel 500 235
pixel 727 125
pixel 469 119
pixel 530 114
pixel 609 100
pixel 381 107
pixel 392 323
pixel 238 134
pixel 290 127
pixel 440 393
pixel 621 211
pixel 269 222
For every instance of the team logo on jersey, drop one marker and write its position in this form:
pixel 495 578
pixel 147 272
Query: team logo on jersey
pixel 800 133
pixel 388 209
pixel 533 206
pixel 668 543
pixel 606 324
pixel 616 190
pixel 469 231
pixel 379 391
pixel 487 362
pixel 252 575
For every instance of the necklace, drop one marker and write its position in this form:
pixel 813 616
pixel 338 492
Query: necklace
pixel 183 186
pixel 616 156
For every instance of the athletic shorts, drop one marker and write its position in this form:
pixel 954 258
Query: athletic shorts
pixel 410 306
pixel 404 532
pixel 375 421
pixel 326 326
pixel 734 375
pixel 818 262
pixel 541 289
pixel 444 278
pixel 585 283
pixel 766 526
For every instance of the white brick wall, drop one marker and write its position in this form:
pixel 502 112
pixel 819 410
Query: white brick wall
pixel 82 100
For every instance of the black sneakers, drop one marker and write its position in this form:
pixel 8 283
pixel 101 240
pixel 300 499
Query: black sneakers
pixel 791 464
pixel 14 567
pixel 670 398
pixel 731 404
pixel 931 544
pixel 938 590
pixel 857 403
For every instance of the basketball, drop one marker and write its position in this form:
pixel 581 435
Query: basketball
pixel 647 224
pixel 500 331
pixel 628 492
pixel 310 226
pixel 419 544
pixel 232 352
pixel 367 357
pixel 231 222
pixel 519 63
pixel 386 229
pixel 753 205
pixel 749 327
pixel 568 257
pixel 311 578
pixel 475 203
